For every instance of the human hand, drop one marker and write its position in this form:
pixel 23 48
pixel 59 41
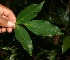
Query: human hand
pixel 7 19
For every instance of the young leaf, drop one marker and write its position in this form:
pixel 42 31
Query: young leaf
pixel 66 44
pixel 41 27
pixel 23 37
pixel 29 13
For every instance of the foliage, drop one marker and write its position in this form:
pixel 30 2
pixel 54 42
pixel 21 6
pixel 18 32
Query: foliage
pixel 44 35
pixel 66 45
pixel 23 37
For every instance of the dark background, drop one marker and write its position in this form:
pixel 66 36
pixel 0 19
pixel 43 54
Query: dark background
pixel 39 42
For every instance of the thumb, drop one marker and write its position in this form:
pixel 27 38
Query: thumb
pixel 10 24
pixel 6 23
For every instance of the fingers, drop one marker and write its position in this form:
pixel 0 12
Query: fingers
pixel 12 17
pixel 10 24
pixel 9 30
pixel 3 21
pixel 2 30
pixel 4 10
pixel 8 13
pixel 6 23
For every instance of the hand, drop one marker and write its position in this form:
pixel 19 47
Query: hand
pixel 7 19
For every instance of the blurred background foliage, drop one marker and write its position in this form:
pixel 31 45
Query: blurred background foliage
pixel 56 12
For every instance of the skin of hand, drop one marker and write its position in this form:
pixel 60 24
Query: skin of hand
pixel 6 15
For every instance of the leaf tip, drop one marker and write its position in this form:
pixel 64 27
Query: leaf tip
pixel 42 2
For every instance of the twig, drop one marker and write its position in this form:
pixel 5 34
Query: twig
pixel 64 3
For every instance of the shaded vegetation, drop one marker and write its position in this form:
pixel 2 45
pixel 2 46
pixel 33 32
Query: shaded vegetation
pixel 56 12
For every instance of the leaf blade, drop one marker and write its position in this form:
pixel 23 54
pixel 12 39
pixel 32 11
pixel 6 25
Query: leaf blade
pixel 52 54
pixel 41 27
pixel 66 44
pixel 22 36
pixel 29 13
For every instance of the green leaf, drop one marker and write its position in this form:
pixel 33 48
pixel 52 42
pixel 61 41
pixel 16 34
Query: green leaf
pixel 29 13
pixel 66 44
pixel 23 37
pixel 63 15
pixel 41 27
pixel 41 53
pixel 13 50
pixel 12 57
pixel 52 55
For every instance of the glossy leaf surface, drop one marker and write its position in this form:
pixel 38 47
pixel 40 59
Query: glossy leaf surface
pixel 41 27
pixel 23 37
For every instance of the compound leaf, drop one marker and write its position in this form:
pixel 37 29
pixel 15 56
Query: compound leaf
pixel 23 37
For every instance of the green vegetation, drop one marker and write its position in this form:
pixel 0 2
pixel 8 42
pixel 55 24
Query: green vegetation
pixel 42 32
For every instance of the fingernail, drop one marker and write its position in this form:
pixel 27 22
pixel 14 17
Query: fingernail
pixel 10 24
